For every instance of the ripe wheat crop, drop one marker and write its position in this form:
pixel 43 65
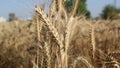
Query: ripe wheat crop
pixel 58 40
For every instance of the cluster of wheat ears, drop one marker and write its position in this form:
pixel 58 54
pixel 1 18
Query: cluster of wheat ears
pixel 60 27
pixel 55 31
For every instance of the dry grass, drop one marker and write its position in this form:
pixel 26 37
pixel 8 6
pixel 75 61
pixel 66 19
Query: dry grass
pixel 75 43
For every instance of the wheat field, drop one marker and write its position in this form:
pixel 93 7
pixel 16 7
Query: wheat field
pixel 58 40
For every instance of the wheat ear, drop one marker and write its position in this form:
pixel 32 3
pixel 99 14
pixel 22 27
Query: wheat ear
pixel 50 26
pixel 62 9
pixel 47 49
pixel 53 7
pixel 39 28
pixel 84 61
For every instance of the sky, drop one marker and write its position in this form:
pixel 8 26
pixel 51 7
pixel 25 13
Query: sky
pixel 96 6
pixel 24 8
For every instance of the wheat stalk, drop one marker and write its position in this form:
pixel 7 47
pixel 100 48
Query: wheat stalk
pixel 93 40
pixel 67 39
pixel 75 8
pixel 68 32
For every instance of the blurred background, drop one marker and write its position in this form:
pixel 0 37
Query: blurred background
pixel 25 8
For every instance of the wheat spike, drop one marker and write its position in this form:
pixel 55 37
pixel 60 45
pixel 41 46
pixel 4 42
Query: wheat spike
pixel 50 26
pixel 62 12
pixel 53 7
pixel 47 49
pixel 39 26
pixel 38 31
pixel 58 15
pixel 84 61
pixel 53 10
pixel 57 10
